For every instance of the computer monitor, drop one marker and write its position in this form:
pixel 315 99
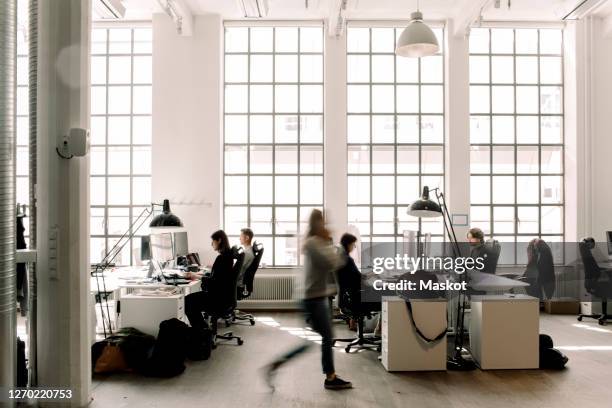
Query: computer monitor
pixel 609 237
pixel 180 243
pixel 161 247
pixel 145 248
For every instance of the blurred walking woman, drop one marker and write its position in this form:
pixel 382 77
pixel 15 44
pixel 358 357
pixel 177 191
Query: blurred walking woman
pixel 320 262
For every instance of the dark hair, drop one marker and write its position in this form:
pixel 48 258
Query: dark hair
pixel 346 240
pixel 477 233
pixel 316 225
pixel 221 236
pixel 247 232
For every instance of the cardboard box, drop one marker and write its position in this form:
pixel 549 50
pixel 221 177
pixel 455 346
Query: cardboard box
pixel 563 306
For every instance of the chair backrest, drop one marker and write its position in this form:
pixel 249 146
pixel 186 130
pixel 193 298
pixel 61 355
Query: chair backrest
pixel 230 292
pixel 493 250
pixel 592 272
pixel 249 274
pixel 346 293
pixel 545 264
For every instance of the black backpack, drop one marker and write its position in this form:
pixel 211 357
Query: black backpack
pixel 551 358
pixel 170 351
pixel 199 343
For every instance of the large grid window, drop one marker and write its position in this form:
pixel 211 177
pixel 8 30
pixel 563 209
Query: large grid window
pixel 395 133
pixel 120 185
pixel 273 135
pixel 516 135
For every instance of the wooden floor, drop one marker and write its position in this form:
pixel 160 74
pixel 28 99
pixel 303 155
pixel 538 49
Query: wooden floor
pixel 231 378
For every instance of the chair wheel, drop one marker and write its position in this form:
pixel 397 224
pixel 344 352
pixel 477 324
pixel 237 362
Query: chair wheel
pixel 240 342
pixel 347 349
pixel 213 346
pixel 601 322
pixel 579 318
pixel 252 322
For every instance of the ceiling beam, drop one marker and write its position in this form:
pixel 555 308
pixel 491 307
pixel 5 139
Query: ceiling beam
pixel 467 13
pixel 336 22
pixel 180 14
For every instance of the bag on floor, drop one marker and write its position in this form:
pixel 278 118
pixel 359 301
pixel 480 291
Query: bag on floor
pixel 551 358
pixel 22 370
pixel 170 351
pixel 111 359
pixel 134 346
pixel 199 343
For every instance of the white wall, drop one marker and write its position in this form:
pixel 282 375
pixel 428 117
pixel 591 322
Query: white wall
pixel 187 117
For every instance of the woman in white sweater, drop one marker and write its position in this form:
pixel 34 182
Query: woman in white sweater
pixel 320 262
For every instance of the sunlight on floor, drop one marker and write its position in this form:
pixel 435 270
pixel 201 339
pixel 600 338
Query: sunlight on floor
pixel 305 333
pixel 592 328
pixel 584 348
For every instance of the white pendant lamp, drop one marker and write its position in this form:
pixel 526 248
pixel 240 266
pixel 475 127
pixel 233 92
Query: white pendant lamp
pixel 417 39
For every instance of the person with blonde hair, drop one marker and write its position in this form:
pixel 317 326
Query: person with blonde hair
pixel 321 260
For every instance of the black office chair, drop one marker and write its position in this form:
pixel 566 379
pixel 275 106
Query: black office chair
pixel 245 291
pixel 350 304
pixel 540 270
pixel 226 301
pixel 596 283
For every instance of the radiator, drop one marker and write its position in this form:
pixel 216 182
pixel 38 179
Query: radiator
pixel 272 291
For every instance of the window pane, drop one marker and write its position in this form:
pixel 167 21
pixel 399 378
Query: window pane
pixel 141 130
pixel 408 159
pixel 119 130
pixel 479 40
pixel 551 99
pixel 383 159
pixel 527 159
pixel 382 68
pixel 383 190
pixel 285 68
pixel 285 98
pixel 236 98
pixel 286 39
pixel 286 189
pixel 407 70
pixel 479 99
pixel 119 161
pixel 119 70
pixel 261 220
pixel 382 98
pixel 383 40
pixel 503 159
pixel 551 71
pixel 502 41
pixel 479 70
pixel 286 159
pixel 311 98
pixel 503 129
pixel 480 129
pixel 480 159
pixel 408 128
pixel 432 159
pixel 407 98
pixel 235 189
pixel 236 218
pixel 432 99
pixel 480 189
pixel 358 189
pixel 552 220
pixel 260 98
pixel 526 99
pixel 432 69
pixel 527 189
pixel 311 68
pixel 286 129
pixel 358 128
pixel 383 129
pixel 311 159
pixel 286 220
pixel 236 39
pixel 552 129
pixel 261 39
pixel 526 70
pixel 261 68
pixel 358 159
pixel 528 220
pixel 119 190
pixel 527 41
pixel 261 129
pixel 358 40
pixel 311 190
pixel 503 189
pixel 235 159
pixel 552 189
pixel 527 129
pixel 358 68
pixel 311 39
pixel 502 99
pixel 235 129
pixel 311 129
pixel 261 159
pixel 358 98
pixel 502 70
pixel 260 189
pixel 503 220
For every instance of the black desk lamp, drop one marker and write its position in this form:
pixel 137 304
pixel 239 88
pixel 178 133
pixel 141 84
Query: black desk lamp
pixel 424 207
pixel 165 219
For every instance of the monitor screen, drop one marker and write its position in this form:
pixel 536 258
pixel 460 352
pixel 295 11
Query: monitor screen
pixel 161 247
pixel 180 243
pixel 145 248
pixel 609 236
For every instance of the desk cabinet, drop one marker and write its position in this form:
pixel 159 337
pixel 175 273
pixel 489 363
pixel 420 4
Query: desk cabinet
pixel 504 331
pixel 402 348
pixel 145 313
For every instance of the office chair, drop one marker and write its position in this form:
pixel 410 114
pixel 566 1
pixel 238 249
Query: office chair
pixel 226 301
pixel 540 270
pixel 245 291
pixel 351 306
pixel 492 250
pixel 593 282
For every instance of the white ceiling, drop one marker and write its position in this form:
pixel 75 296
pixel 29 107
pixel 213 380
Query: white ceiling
pixel 530 10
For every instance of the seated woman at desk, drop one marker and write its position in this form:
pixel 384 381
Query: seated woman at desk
pixel 220 272
pixel 350 280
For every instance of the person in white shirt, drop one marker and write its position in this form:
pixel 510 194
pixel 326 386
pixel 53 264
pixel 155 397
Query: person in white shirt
pixel 246 238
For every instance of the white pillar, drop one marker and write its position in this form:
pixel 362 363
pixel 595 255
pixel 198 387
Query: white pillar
pixel 457 129
pixel 187 116
pixel 63 200
pixel 335 182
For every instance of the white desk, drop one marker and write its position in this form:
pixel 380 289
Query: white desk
pixel 402 348
pixel 504 331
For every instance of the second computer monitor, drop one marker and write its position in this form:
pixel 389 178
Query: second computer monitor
pixel 161 247
pixel 181 246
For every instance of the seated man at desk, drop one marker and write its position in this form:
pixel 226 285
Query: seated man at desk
pixel 212 283
pixel 246 238
pixel 480 249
